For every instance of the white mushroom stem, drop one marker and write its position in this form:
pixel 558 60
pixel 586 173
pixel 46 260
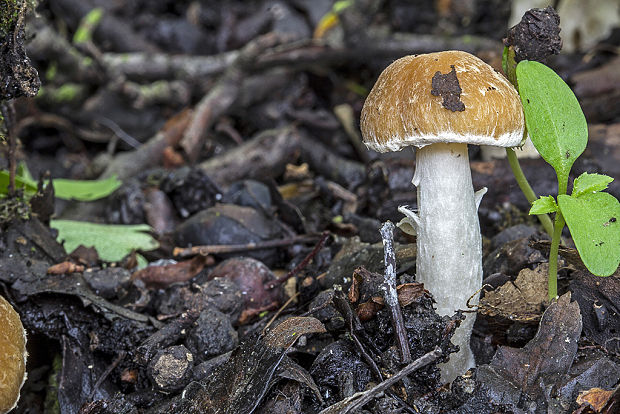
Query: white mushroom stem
pixel 449 245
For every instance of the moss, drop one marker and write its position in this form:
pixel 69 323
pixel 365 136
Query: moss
pixel 9 13
pixel 12 209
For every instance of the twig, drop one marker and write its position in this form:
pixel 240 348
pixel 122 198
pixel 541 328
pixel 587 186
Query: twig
pixel 121 355
pixel 269 151
pixel 279 311
pixel 300 54
pixel 301 264
pixel 343 306
pixel 236 248
pixel 359 399
pixel 223 95
pixel 389 291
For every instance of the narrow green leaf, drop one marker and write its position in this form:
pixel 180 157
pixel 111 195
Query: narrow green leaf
pixel 544 205
pixel 80 190
pixel 553 116
pixel 20 182
pixel 113 242
pixel 85 190
pixel 594 223
pixel 589 183
pixel 23 171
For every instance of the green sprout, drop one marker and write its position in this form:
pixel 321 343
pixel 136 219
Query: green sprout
pixel 559 132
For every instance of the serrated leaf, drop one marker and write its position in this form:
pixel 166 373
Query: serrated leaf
pixel 594 223
pixel 553 117
pixel 85 190
pixel 113 242
pixel 544 205
pixel 589 183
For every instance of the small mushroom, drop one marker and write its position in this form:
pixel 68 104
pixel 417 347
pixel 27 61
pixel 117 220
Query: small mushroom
pixel 12 356
pixel 439 103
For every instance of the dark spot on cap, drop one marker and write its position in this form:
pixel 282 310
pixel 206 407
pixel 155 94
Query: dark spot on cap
pixel 528 101
pixel 447 86
pixel 537 36
pixel 612 220
pixel 567 154
pixel 491 88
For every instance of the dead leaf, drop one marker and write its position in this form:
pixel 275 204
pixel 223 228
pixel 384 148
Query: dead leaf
pixel 240 385
pixel 64 267
pixel 598 299
pixel 522 300
pixel 161 276
pixel 407 294
pixel 596 398
pixel 522 376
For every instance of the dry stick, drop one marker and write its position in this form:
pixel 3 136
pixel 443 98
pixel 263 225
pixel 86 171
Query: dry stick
pixel 359 399
pixel 119 358
pixel 223 95
pixel 389 291
pixel 299 54
pixel 301 264
pixel 236 248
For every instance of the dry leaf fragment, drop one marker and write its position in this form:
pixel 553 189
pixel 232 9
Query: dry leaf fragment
pixel 63 268
pixel 161 276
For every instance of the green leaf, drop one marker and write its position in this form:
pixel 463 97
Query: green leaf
pixel 80 190
pixel 113 242
pixel 23 171
pixel 544 205
pixel 20 182
pixel 590 183
pixel 85 190
pixel 594 223
pixel 553 116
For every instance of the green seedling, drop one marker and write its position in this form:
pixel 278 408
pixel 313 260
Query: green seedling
pixel 559 132
pixel 80 190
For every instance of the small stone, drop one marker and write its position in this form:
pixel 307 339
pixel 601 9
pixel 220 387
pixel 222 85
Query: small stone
pixel 170 368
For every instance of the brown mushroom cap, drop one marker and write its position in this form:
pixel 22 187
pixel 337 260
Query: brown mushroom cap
pixel 12 356
pixel 416 101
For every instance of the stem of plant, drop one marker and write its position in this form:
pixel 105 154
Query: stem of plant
pixel 527 190
pixel 553 256
pixel 555 243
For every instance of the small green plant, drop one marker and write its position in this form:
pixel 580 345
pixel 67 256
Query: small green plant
pixel 559 132
pixel 112 241
pixel 80 190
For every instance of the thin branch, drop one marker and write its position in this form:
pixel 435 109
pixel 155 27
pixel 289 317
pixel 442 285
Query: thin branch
pixel 358 400
pixel 238 248
pixel 390 294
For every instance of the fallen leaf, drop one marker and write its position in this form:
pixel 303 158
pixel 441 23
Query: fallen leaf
pixel 596 398
pixel 522 300
pixel 162 276
pixel 519 377
pixel 240 385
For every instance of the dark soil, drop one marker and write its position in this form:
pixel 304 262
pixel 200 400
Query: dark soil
pixel 234 128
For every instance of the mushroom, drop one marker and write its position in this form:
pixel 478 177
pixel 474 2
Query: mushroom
pixel 12 356
pixel 439 103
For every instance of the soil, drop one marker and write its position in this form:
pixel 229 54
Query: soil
pixel 234 128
